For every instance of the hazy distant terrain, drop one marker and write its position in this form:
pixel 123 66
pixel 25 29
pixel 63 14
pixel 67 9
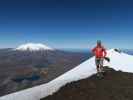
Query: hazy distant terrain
pixel 24 69
pixel 128 51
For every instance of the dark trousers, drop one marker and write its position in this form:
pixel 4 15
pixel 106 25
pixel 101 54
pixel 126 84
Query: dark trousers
pixel 99 64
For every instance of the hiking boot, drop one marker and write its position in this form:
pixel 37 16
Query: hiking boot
pixel 100 75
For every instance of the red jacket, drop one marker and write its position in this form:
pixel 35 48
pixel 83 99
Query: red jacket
pixel 99 51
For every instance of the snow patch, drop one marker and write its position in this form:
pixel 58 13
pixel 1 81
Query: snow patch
pixel 120 61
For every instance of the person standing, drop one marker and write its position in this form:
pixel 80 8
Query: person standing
pixel 100 53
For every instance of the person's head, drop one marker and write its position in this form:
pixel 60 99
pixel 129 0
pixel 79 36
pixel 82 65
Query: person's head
pixel 99 43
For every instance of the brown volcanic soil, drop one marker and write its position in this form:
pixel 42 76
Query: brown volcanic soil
pixel 116 85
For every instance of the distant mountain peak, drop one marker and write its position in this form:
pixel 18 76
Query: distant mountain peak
pixel 33 47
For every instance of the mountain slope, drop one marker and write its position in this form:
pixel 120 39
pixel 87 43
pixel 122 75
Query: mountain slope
pixel 82 71
pixel 16 65
pixel 116 85
pixel 120 61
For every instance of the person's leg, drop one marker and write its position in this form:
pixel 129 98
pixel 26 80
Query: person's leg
pixel 101 65
pixel 97 61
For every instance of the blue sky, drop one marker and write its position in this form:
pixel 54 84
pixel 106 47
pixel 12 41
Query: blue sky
pixel 67 23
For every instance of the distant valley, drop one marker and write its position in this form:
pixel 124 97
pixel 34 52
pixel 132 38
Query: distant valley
pixel 21 69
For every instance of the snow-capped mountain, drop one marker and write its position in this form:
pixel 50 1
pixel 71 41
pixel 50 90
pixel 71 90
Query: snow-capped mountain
pixel 33 47
pixel 118 61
